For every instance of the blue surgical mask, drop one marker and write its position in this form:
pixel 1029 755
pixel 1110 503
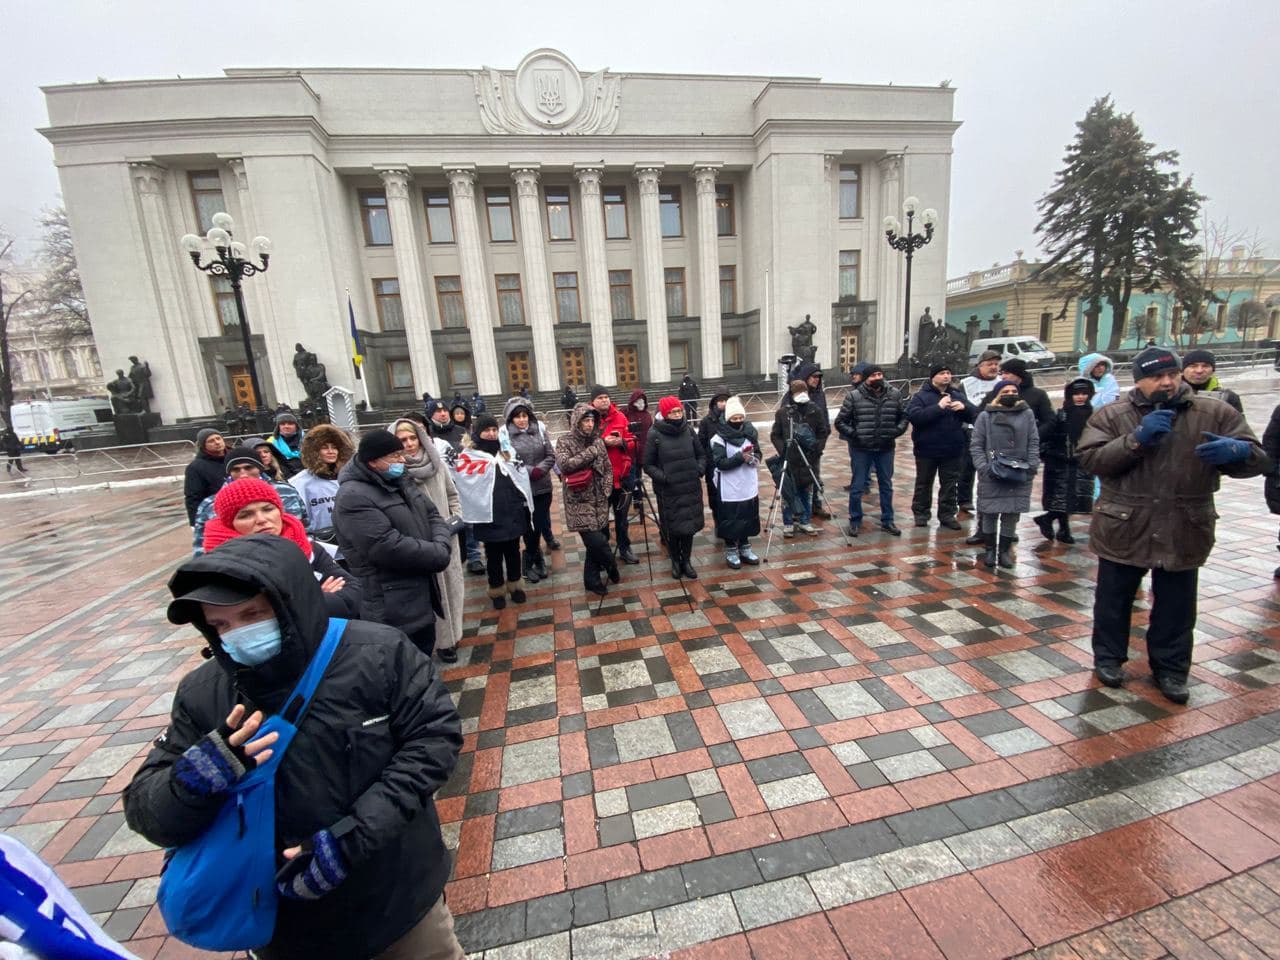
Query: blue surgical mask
pixel 253 644
pixel 394 471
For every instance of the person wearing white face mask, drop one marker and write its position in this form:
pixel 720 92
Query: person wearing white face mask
pixel 799 430
pixel 393 537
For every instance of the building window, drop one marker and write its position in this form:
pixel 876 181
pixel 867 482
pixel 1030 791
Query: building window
pixel 206 194
pixel 559 222
pixel 399 374
pixel 1046 327
pixel 224 301
pixel 94 362
pixel 1220 320
pixel 566 285
pixel 1151 326
pixel 377 222
pixel 848 274
pixel 731 353
pixel 669 212
pixel 679 355
pixel 453 309
pixel 724 209
pixel 510 302
pixel 621 304
pixel 615 213
pixel 439 216
pixel 1175 321
pixel 68 364
pixel 461 371
pixel 849 177
pixel 674 277
pixel 498 205
pixel 386 300
pixel 728 289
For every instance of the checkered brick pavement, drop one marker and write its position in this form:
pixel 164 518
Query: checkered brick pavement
pixel 880 749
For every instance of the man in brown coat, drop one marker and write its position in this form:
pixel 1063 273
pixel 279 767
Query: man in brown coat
pixel 1159 453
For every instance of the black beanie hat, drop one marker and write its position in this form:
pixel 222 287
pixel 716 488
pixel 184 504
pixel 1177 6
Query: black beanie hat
pixel 1014 365
pixel 483 423
pixel 871 369
pixel 938 367
pixel 378 443
pixel 1199 356
pixel 1154 361
pixel 241 455
pixel 597 390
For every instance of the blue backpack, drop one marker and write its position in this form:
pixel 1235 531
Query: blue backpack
pixel 219 891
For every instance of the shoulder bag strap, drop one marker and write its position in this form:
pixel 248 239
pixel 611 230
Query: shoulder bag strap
pixel 296 706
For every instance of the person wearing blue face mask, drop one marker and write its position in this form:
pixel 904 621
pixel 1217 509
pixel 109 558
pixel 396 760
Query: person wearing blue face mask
pixel 361 859
pixel 393 538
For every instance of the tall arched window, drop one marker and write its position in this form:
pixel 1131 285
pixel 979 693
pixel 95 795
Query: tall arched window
pixel 68 364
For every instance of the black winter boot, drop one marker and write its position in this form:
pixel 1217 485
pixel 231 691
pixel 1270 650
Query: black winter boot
pixel 1005 557
pixel 1045 523
pixel 1064 531
pixel 989 557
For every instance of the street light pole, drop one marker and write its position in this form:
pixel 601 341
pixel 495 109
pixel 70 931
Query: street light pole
pixel 231 261
pixel 908 243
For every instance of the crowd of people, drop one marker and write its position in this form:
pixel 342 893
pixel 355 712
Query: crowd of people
pixel 317 554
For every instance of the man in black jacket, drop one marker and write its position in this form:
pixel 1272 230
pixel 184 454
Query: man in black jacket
pixel 938 414
pixel 206 473
pixel 355 816
pixel 393 538
pixel 871 419
pixel 811 374
pixel 1199 372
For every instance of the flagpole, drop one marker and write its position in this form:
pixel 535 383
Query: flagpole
pixel 364 381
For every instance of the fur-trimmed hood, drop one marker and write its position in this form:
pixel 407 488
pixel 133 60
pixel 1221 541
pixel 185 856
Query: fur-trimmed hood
pixel 310 450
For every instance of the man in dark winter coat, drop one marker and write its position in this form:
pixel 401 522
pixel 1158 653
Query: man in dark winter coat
pixel 1199 373
pixel 938 414
pixel 1271 488
pixel 871 419
pixel 1015 368
pixel 800 431
pixel 440 423
pixel 206 473
pixel 811 374
pixel 689 395
pixel 355 816
pixel 393 538
pixel 477 403
pixel 1160 453
pixel 568 398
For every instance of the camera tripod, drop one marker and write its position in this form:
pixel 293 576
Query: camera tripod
pixel 784 479
pixel 647 508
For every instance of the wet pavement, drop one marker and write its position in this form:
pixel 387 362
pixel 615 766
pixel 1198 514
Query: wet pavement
pixel 882 750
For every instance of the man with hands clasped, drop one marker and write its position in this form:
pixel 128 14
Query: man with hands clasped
pixel 361 859
pixel 1159 453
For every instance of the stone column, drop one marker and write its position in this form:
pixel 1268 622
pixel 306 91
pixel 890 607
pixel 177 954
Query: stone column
pixel 186 394
pixel 655 290
pixel 595 271
pixel 257 292
pixel 413 298
pixel 537 285
pixel 889 299
pixel 475 278
pixel 704 176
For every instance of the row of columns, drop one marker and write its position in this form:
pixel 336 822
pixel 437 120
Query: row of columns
pixel 539 307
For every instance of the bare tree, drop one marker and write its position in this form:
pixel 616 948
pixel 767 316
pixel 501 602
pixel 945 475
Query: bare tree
pixel 12 292
pixel 61 294
pixel 1224 268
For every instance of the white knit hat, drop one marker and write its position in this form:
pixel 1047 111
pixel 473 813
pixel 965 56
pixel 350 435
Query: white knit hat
pixel 734 408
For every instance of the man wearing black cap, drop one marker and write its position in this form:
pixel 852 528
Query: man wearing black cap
pixel 393 538
pixel 1198 372
pixel 1159 452
pixel 241 462
pixel 357 835
pixel 938 414
pixel 621 444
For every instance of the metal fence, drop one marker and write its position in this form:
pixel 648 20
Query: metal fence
pixel 76 468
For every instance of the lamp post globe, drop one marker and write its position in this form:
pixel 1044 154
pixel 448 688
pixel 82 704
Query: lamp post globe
pixel 908 242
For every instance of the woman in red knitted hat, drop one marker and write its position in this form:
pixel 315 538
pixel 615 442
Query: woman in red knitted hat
pixel 250 506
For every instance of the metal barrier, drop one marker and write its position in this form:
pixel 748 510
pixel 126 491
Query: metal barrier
pixel 72 468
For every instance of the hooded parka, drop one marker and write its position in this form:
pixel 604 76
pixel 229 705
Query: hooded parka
pixel 317 484
pixel 676 463
pixel 587 509
pixel 532 444
pixel 1068 487
pixel 381 736
pixel 1106 389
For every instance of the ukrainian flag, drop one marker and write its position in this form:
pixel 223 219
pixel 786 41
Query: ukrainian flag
pixel 357 352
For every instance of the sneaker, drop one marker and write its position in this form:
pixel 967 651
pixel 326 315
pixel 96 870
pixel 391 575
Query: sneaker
pixel 448 656
pixel 890 529
pixel 475 566
pixel 748 556
pixel 808 528
pixel 788 530
pixel 854 528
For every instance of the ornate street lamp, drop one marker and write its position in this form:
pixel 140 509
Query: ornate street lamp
pixel 908 243
pixel 231 261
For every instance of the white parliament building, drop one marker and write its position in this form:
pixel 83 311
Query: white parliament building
pixel 498 228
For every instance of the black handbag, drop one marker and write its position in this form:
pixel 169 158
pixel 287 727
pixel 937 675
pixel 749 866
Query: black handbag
pixel 1007 469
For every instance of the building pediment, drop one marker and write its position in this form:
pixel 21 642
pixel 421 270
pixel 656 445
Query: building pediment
pixel 547 94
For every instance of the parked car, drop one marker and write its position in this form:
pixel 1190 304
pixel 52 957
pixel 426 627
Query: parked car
pixel 1035 353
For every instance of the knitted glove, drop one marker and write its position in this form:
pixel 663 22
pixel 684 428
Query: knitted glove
pixel 1154 426
pixel 1220 451
pixel 317 870
pixel 536 474
pixel 211 765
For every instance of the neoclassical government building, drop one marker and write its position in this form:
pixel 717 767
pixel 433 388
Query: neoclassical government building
pixel 498 228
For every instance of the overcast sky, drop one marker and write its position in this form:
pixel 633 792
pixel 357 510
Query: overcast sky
pixel 1200 77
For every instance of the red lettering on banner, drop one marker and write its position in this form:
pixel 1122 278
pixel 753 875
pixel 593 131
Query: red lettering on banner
pixel 470 465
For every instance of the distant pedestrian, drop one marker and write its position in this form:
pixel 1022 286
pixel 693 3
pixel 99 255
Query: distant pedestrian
pixel 568 397
pixel 689 395
pixel 735 455
pixel 477 404
pixel 206 473
pixel 676 463
pixel 1006 456
pixel 12 450
pixel 524 392
pixel 938 413
pixel 324 452
pixel 1068 487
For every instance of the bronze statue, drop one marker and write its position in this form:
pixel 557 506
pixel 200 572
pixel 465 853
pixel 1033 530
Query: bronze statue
pixel 310 371
pixel 140 377
pixel 122 395
pixel 802 340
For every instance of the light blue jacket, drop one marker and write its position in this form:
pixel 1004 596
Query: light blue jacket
pixel 1105 388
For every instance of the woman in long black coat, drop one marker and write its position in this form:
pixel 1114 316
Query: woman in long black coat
pixel 1068 487
pixel 676 463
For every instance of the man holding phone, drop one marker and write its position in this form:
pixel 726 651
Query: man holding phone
pixel 621 444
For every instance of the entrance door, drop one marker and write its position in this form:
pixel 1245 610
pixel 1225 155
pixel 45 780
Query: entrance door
pixel 518 372
pixel 627 358
pixel 241 386
pixel 573 366
pixel 848 347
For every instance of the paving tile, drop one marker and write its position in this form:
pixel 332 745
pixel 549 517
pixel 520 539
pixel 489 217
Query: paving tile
pixel 849 883
pixel 553 947
pixel 530 761
pixel 884 928
pixel 1050 829
pixel 666 818
pixel 645 891
pixel 527 848
pixel 792 791
pixel 749 718
pixel 981 848
pixel 809 936
pixel 774 902
pixel 627 938
pixel 732 871
pixel 987 931
pixel 911 866
pixel 641 739
pixel 697 921
pixel 1038 899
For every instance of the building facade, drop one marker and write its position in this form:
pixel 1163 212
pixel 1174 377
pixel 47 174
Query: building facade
pixel 497 229
pixel 1021 304
pixel 47 361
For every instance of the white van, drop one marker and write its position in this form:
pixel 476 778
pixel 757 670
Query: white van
pixel 1035 353
pixel 51 425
